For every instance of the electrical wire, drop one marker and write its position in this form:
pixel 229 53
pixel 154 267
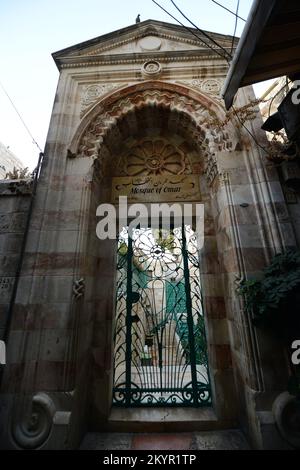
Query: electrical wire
pixel 190 30
pixel 235 26
pixel 230 11
pixel 227 55
pixel 275 96
pixel 249 132
pixel 21 119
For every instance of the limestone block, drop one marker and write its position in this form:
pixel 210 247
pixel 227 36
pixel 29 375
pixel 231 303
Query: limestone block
pixel 57 241
pixel 228 161
pixel 47 315
pixel 235 334
pixel 250 236
pixel 10 243
pixel 11 204
pixel 8 264
pixel 56 199
pixel 50 263
pixel 242 194
pixel 238 176
pixel 13 223
pixel 6 287
pixel 288 234
pixel 272 192
pixel 214 307
pixel 219 331
pixel 46 289
pixel 209 263
pixel 54 345
pixel 23 346
pixel 56 220
pixel 51 375
pixel 79 166
pixel 212 285
pixel 225 394
pixel 222 440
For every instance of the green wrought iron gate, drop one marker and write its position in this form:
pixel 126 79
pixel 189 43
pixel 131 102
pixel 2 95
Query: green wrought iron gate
pixel 160 352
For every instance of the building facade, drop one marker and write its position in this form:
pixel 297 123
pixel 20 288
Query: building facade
pixel 135 108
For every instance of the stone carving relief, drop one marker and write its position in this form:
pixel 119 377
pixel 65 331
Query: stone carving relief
pixel 92 93
pixel 195 121
pixel 211 86
pixel 154 157
pixel 34 428
pixel 5 283
pixel 211 169
pixel 78 288
pixel 151 68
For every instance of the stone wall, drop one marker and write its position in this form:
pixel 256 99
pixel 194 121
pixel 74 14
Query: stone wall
pixel 294 213
pixel 14 205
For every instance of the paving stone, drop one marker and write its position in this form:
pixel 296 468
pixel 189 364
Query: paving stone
pixel 162 442
pixel 104 441
pixel 221 440
pixel 216 440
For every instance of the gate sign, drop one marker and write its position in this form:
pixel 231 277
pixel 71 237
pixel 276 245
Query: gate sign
pixel 156 188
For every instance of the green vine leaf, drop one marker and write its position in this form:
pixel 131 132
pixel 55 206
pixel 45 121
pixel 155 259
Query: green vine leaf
pixel 273 299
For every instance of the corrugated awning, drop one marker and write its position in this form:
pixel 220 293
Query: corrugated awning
pixel 268 48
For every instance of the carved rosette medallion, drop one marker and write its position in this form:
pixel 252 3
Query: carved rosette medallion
pixel 92 93
pixel 151 69
pixel 155 157
pixel 211 86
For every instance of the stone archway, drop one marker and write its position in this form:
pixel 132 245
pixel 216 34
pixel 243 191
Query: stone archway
pixel 74 273
pixel 197 113
pixel 125 121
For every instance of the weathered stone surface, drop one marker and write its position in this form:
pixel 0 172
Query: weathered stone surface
pixel 217 440
pixel 222 440
pixel 121 123
pixel 95 441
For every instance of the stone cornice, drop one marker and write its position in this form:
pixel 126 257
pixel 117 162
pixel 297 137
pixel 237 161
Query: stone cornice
pixel 119 59
pixel 146 32
pixel 138 31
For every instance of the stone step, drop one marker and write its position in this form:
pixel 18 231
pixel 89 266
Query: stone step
pixel 215 440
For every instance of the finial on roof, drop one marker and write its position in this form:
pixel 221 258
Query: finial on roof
pixel 138 19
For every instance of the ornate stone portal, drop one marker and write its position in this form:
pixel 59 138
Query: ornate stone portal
pixel 140 103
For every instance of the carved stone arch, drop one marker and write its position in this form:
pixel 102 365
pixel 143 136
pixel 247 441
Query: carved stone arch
pixel 198 113
pixel 95 261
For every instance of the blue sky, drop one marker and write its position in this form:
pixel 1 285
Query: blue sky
pixel 32 29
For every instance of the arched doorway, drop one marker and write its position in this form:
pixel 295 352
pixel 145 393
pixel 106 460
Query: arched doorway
pixel 134 134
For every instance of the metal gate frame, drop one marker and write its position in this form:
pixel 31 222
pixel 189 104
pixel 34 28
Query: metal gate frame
pixel 194 394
